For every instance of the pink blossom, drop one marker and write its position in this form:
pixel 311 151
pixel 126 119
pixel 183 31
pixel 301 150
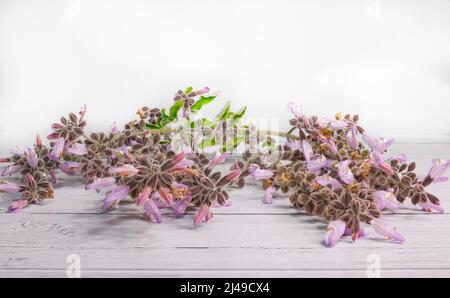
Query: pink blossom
pixel 69 167
pixel 295 110
pixel 17 151
pixel 334 232
pixel 258 173
pixel 115 196
pixel 429 207
pixel 345 172
pixel 143 196
pixel 202 213
pixel 385 199
pixel 317 164
pixel 58 149
pixel 77 149
pixel 18 205
pixel 32 158
pixel 351 136
pixel 380 164
pixel 384 229
pixel 268 199
pixel 9 187
pixel 440 166
pixel 218 159
pixel 11 170
pixel 166 196
pixel 152 211
pixel 307 150
pixel 123 171
pixel 338 124
pixel 326 180
pixel 101 183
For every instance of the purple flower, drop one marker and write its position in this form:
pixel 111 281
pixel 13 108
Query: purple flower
pixel 379 145
pixel 184 164
pixel 114 127
pixel 258 173
pixel 293 145
pixel 17 151
pixel 380 164
pixel 218 159
pixel 201 215
pixel 53 177
pixel 9 187
pixel 69 167
pixel 166 196
pixel 345 173
pixel 152 211
pixel 385 199
pixel 317 164
pixel 295 110
pixel 58 149
pixel 439 167
pixel 199 92
pixel 338 124
pixel 115 196
pixel 268 199
pixel 334 232
pixel 124 150
pixel 143 196
pixel 400 158
pixel 11 170
pixel 181 205
pixel 351 136
pixel 18 205
pixel 429 207
pixel 101 183
pixel 307 150
pixel 77 149
pixel 32 158
pixel 362 232
pixel 384 229
pixel 326 180
pixel 123 171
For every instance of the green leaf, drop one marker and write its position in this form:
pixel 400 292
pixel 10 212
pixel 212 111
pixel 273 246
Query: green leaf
pixel 238 115
pixel 173 112
pixel 152 126
pixel 224 113
pixel 208 143
pixel 197 106
pixel 188 90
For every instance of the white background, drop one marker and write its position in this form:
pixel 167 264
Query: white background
pixel 388 61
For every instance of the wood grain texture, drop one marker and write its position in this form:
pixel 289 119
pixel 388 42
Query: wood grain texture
pixel 248 239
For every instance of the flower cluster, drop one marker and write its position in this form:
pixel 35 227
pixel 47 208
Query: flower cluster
pixel 332 169
pixel 138 162
pixel 335 170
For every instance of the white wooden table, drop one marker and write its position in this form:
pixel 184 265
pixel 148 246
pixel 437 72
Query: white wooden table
pixel 248 239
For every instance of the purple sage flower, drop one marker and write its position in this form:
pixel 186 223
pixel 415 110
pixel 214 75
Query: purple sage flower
pixel 152 211
pixel 268 199
pixel 317 164
pixel 338 124
pixel 17 151
pixel 123 171
pixel 384 229
pixel 345 172
pixel 334 232
pixel 326 180
pixel 143 196
pixel 77 149
pixel 258 173
pixel 101 183
pixel 385 199
pixel 9 187
pixel 58 149
pixel 69 167
pixel 307 150
pixel 440 166
pixel 379 145
pixel 202 213
pixel 429 207
pixel 32 158
pixel 351 136
pixel 218 159
pixel 295 110
pixel 18 205
pixel 11 170
pixel 380 164
pixel 115 196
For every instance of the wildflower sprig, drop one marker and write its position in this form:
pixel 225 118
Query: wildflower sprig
pixel 331 169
